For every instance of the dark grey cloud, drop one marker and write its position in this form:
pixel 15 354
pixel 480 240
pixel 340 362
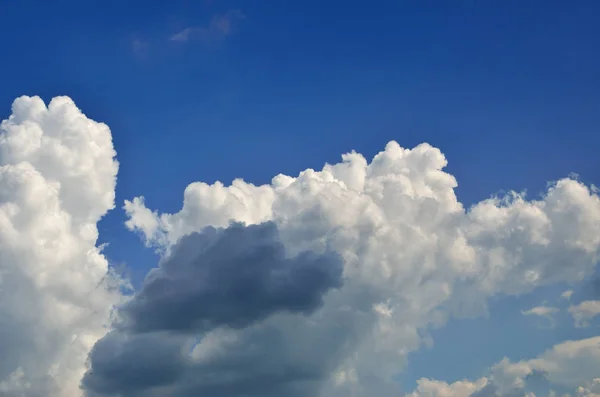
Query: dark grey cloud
pixel 259 361
pixel 228 281
pixel 230 277
pixel 125 364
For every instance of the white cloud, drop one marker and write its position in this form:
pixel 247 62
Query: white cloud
pixel 435 388
pixel 569 364
pixel 409 246
pixel 57 178
pixel 572 365
pixel 584 312
pixel 567 294
pixel 412 257
pixel 542 311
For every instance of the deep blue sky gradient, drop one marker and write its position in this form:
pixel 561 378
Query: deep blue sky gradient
pixel 509 90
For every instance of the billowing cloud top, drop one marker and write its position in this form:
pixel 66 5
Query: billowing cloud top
pixel 321 287
pixel 412 256
pixel 57 178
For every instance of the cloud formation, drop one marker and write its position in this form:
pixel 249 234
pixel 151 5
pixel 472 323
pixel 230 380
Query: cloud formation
pixel 547 312
pixel 233 277
pixel 413 256
pixel 57 179
pixel 567 294
pixel 584 312
pixel 592 390
pixel 219 27
pixel 321 286
pixel 572 365
pixel 217 279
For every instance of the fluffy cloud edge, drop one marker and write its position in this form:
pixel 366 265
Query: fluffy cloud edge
pixel 405 238
pixel 570 365
pixel 57 180
pixel 584 312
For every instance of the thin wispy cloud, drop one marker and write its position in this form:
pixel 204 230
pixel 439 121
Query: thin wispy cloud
pixel 542 311
pixel 219 27
pixel 567 294
pixel 139 46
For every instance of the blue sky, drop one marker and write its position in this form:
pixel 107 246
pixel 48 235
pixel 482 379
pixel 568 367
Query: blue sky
pixel 507 90
pixel 499 88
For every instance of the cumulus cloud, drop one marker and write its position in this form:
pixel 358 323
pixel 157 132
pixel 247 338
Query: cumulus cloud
pixel 57 179
pixel 321 286
pixel 542 311
pixel 584 312
pixel 232 277
pixel 572 365
pixel 217 279
pixel 412 256
pixel 435 388
pixel 330 282
pixel 219 27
